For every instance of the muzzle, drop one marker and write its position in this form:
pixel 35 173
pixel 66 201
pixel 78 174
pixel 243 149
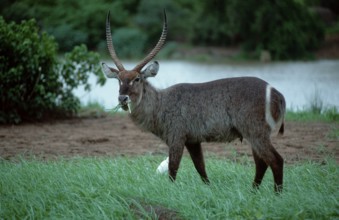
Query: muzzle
pixel 123 101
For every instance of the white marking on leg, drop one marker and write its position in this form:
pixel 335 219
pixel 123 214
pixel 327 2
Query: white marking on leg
pixel 268 113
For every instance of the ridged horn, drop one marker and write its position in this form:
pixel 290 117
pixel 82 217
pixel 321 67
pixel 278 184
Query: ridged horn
pixel 110 44
pixel 157 47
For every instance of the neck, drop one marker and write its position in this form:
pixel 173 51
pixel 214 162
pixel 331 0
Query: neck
pixel 144 111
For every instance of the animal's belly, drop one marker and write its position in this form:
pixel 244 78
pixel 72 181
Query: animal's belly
pixel 217 136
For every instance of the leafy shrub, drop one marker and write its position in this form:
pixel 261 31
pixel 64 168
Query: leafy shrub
pixel 71 21
pixel 212 25
pixel 129 43
pixel 285 28
pixel 33 83
pixel 181 15
pixel 67 36
pixel 74 71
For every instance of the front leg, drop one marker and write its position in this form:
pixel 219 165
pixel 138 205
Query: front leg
pixel 175 155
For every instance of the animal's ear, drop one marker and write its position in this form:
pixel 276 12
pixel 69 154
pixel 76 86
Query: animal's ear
pixel 151 70
pixel 109 71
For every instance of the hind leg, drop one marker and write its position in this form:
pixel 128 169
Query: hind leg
pixel 260 169
pixel 277 166
pixel 264 152
pixel 198 159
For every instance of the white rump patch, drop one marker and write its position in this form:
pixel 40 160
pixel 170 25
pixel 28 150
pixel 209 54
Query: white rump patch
pixel 268 112
pixel 163 167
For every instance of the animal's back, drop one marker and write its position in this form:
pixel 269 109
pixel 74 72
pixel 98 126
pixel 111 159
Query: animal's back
pixel 219 110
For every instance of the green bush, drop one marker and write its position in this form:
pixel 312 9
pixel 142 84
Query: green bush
pixel 212 24
pixel 34 84
pixel 68 36
pixel 72 22
pixel 181 16
pixel 285 28
pixel 129 42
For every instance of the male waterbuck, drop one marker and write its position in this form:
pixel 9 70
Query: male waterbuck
pixel 189 114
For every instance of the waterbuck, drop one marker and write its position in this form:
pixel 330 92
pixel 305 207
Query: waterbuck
pixel 189 114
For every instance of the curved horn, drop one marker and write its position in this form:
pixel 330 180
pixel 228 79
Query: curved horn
pixel 110 44
pixel 157 47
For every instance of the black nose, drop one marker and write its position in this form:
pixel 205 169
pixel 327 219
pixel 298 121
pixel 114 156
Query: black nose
pixel 123 98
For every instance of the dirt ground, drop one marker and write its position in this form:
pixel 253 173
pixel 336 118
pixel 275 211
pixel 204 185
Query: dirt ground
pixel 117 135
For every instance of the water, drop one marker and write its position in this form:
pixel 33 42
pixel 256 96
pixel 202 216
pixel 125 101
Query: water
pixel 299 82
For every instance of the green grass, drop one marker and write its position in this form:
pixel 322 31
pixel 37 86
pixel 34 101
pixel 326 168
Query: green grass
pixel 326 115
pixel 129 188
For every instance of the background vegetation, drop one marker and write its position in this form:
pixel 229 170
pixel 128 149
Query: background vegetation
pixel 287 28
pixel 34 82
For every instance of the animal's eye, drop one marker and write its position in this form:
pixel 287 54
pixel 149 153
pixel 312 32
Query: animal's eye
pixel 137 79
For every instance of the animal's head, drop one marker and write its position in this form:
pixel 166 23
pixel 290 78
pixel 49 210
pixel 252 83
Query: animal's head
pixel 131 81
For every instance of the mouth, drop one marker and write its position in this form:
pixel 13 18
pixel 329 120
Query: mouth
pixel 124 106
pixel 125 102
